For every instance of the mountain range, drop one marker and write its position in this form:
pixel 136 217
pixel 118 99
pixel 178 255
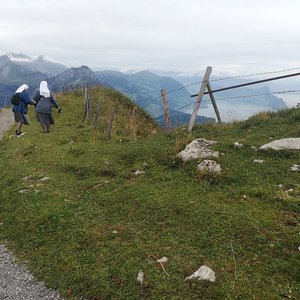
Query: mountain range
pixel 143 87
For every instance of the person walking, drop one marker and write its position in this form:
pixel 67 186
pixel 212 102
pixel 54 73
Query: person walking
pixel 20 110
pixel 45 101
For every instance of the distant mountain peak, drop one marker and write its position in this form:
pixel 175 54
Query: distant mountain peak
pixel 18 57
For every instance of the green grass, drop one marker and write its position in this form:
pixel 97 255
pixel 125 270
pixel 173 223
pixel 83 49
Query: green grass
pixel 63 227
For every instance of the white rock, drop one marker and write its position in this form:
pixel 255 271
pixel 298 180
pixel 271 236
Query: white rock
pixel 162 260
pixel 199 148
pixel 280 186
pixel 295 168
pixel 145 164
pixel 140 277
pixel 22 191
pixel 138 172
pixel 238 145
pixel 204 273
pixel 44 179
pixel 115 232
pixel 299 248
pixel 288 143
pixel 71 142
pixel 258 161
pixel 254 148
pixel 209 166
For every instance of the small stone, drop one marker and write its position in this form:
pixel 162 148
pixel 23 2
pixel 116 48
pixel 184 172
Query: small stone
pixel 140 277
pixel 298 247
pixel 238 145
pixel 44 179
pixel 115 232
pixel 145 164
pixel 71 142
pixel 254 148
pixel 280 186
pixel 209 166
pixel 258 161
pixel 162 260
pixel 204 273
pixel 22 191
pixel 138 172
pixel 295 168
pixel 290 190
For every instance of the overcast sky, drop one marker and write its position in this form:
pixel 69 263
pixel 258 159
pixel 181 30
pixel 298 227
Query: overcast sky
pixel 234 36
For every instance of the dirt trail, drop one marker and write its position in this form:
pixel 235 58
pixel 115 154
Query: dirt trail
pixel 6 120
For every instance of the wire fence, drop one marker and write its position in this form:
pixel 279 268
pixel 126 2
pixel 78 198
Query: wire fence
pixel 233 97
pixel 221 79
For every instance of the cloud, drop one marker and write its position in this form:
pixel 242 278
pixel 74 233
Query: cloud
pixel 233 36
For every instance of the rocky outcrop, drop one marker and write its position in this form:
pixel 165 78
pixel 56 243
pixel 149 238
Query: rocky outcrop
pixel 199 148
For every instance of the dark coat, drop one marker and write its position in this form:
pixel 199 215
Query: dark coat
pixel 44 104
pixel 22 107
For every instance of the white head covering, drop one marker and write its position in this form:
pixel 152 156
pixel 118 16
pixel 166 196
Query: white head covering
pixel 22 88
pixel 44 91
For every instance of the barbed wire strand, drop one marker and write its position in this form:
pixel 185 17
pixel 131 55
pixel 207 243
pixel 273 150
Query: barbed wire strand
pixel 234 97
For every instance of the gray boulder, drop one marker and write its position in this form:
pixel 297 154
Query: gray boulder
pixel 288 143
pixel 210 166
pixel 199 148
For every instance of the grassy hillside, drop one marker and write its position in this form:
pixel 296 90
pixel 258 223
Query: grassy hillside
pixel 93 224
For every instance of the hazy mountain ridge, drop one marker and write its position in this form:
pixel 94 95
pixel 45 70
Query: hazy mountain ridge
pixel 73 77
pixel 143 87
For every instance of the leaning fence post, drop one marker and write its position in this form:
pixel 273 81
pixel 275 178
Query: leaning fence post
pixel 214 103
pixel 133 123
pixel 199 97
pixel 111 123
pixel 166 109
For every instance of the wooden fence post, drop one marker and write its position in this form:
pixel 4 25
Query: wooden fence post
pixel 133 123
pixel 213 101
pixel 199 97
pixel 85 105
pixel 98 112
pixel 111 123
pixel 166 109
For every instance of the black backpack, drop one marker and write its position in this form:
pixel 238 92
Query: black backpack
pixel 15 99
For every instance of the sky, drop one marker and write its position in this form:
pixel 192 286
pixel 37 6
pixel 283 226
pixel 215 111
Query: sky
pixel 232 36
